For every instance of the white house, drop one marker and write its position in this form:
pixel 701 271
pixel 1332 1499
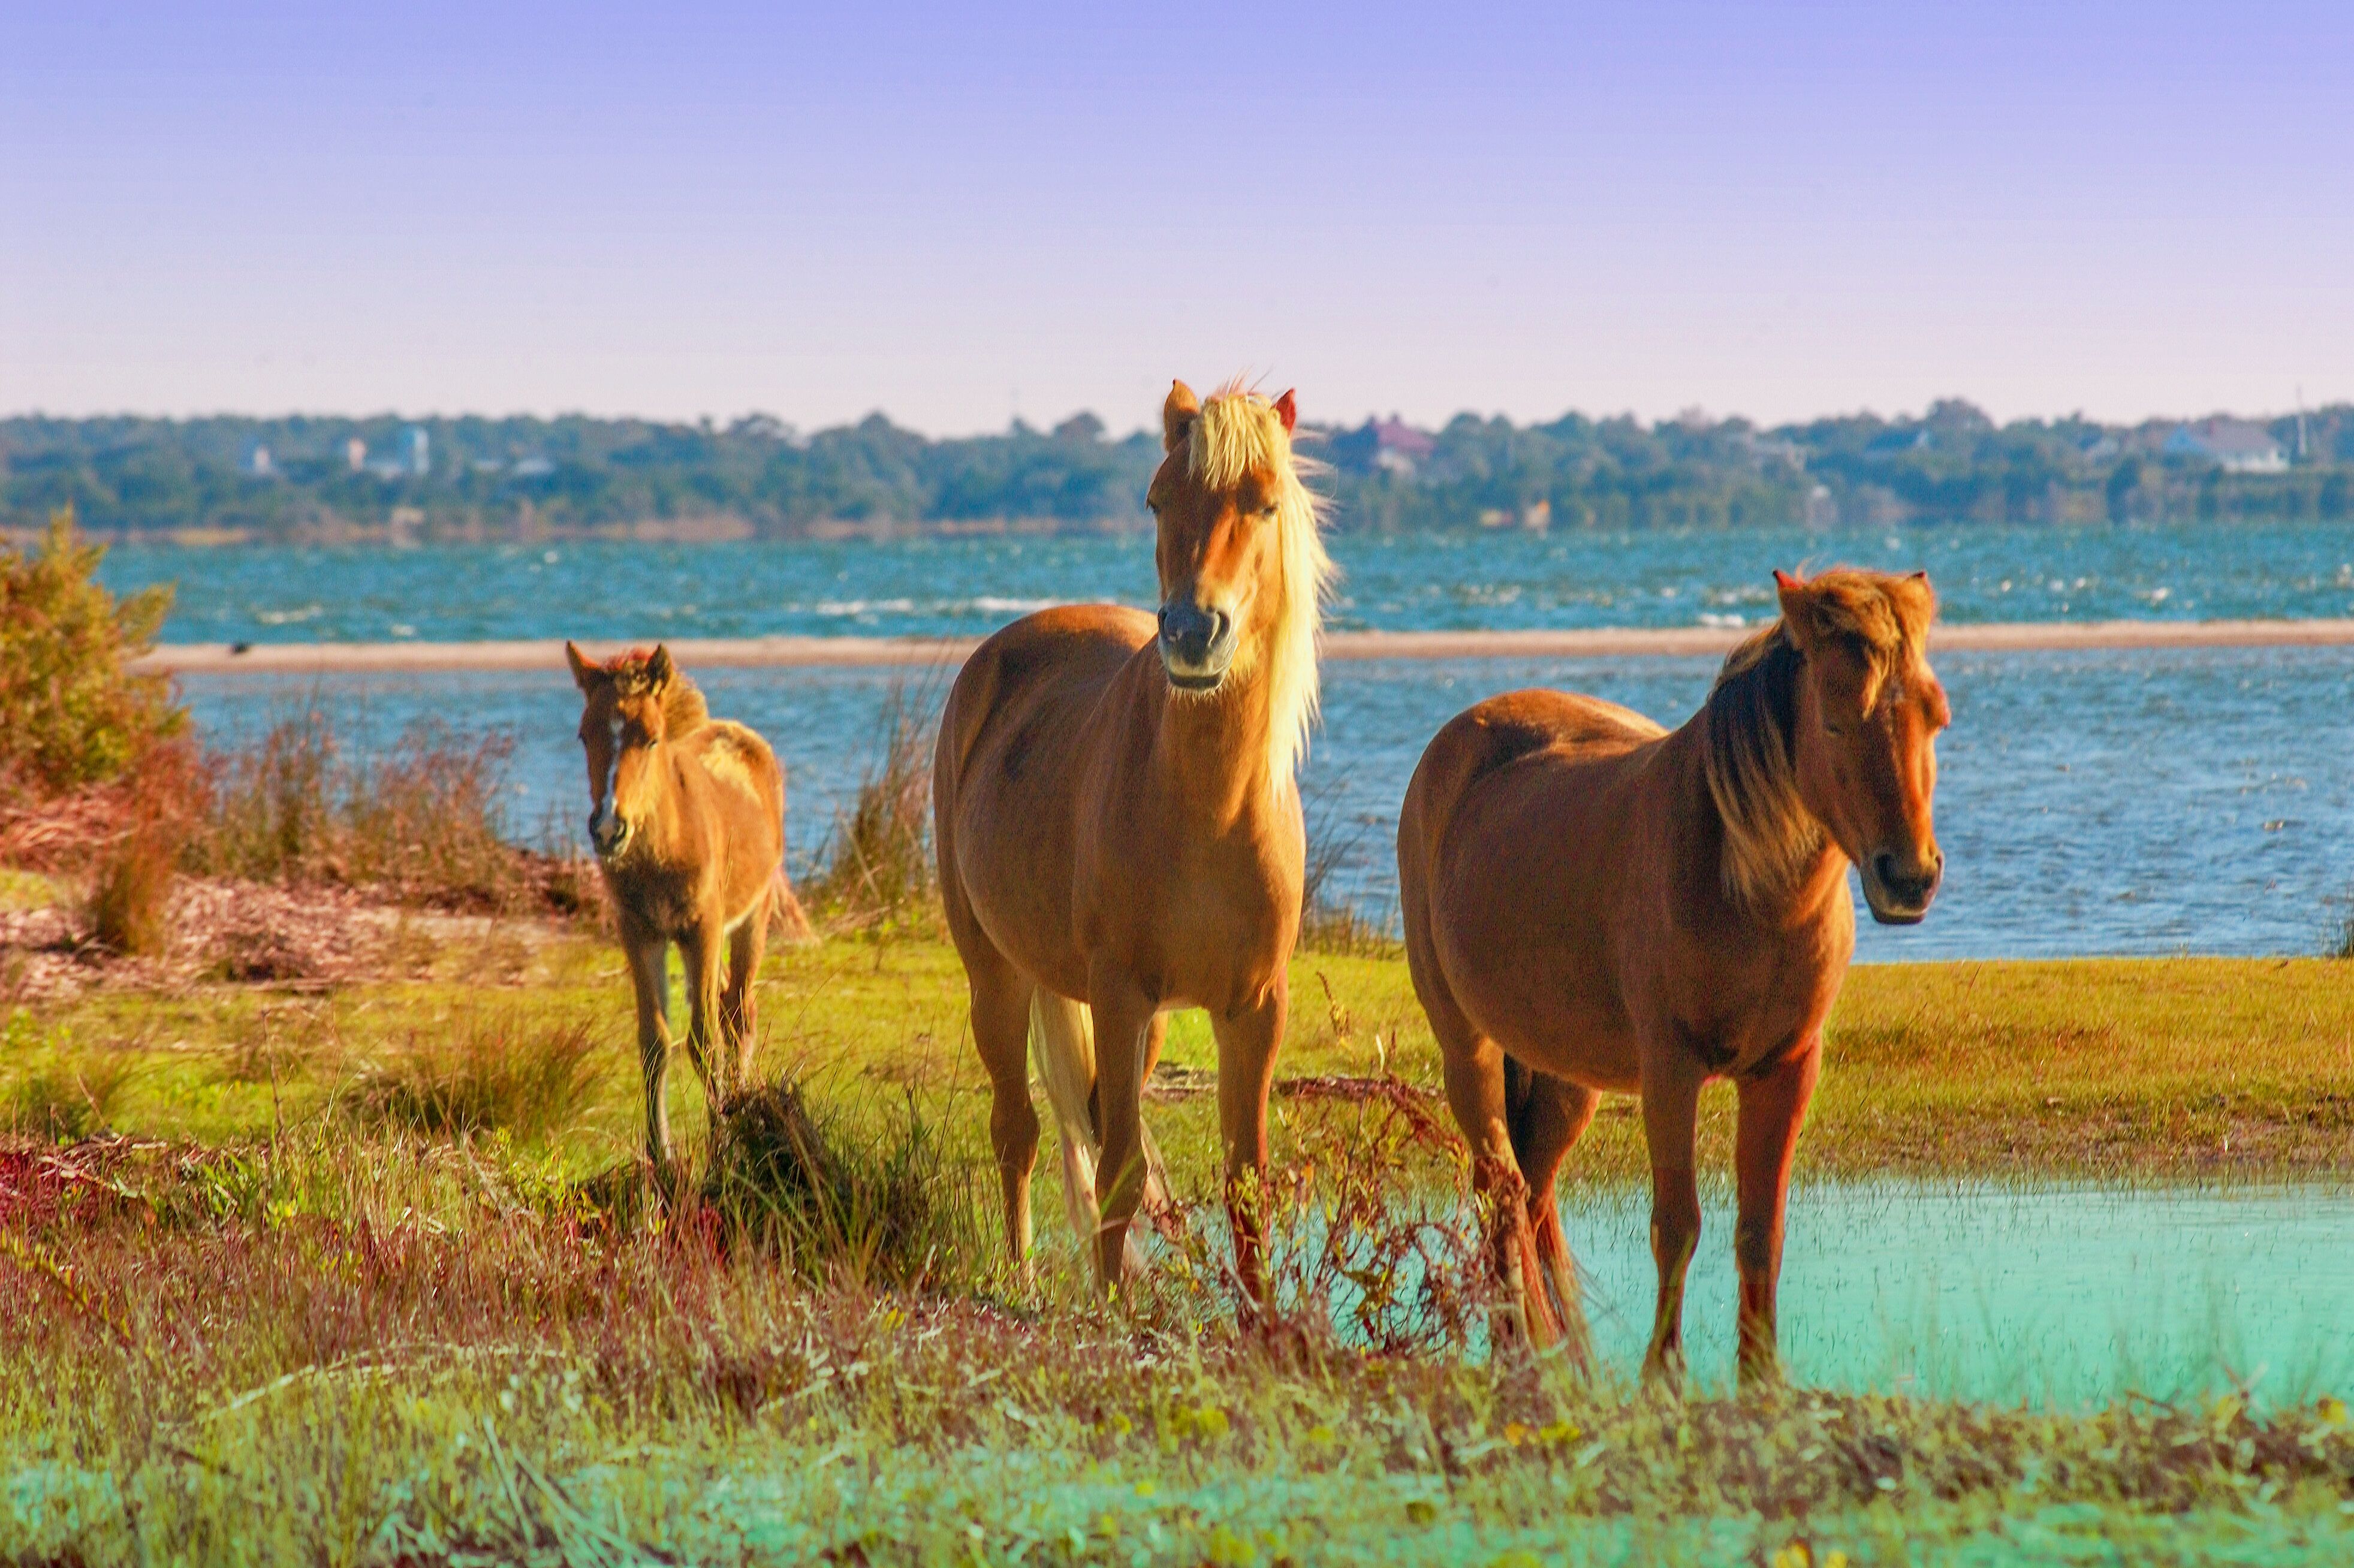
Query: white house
pixel 2234 445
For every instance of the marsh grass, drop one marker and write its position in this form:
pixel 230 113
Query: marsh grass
pixel 430 1360
pixel 57 1090
pixel 1328 923
pixel 500 1069
pixel 418 822
pixel 874 874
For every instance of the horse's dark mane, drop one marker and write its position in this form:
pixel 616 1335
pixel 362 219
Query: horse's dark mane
pixel 1770 837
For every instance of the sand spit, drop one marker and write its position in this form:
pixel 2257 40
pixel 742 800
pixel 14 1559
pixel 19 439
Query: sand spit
pixel 360 658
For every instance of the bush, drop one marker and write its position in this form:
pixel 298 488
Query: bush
pixel 503 1071
pixel 71 712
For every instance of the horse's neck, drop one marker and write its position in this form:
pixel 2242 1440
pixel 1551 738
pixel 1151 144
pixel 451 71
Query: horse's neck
pixel 1698 838
pixel 666 802
pixel 1213 756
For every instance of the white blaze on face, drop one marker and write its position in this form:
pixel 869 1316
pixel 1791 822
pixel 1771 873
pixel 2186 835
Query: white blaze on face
pixel 603 821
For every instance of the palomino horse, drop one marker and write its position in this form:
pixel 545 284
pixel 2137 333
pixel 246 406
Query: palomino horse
pixel 1118 824
pixel 688 817
pixel 1592 903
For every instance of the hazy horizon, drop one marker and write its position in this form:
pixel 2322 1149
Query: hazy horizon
pixel 1783 212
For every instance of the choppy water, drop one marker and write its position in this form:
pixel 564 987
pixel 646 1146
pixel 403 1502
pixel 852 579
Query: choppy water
pixel 1415 582
pixel 2193 800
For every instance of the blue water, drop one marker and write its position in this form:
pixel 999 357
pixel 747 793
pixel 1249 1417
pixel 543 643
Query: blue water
pixel 2090 802
pixel 1444 581
pixel 2195 799
pixel 2059 1295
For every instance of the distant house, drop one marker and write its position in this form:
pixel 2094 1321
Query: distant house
pixel 355 454
pixel 257 461
pixel 1399 447
pixel 1775 449
pixel 2234 445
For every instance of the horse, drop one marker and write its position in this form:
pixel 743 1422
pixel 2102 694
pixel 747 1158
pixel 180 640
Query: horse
pixel 687 815
pixel 1118 824
pixel 1594 904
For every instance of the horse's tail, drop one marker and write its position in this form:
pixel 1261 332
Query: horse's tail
pixel 788 921
pixel 1062 1038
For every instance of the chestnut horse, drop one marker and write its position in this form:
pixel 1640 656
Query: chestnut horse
pixel 1119 825
pixel 688 817
pixel 1593 903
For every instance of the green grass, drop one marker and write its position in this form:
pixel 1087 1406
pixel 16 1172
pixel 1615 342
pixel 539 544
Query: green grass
pixel 278 1325
pixel 2164 1067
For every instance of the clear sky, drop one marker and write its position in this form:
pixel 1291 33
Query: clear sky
pixel 960 213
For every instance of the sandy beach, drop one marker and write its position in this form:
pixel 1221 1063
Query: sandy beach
pixel 360 658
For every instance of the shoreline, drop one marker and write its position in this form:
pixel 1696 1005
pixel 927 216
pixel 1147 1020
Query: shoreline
pixel 868 652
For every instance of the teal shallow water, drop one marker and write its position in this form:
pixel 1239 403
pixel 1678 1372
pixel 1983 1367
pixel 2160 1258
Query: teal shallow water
pixel 2061 1297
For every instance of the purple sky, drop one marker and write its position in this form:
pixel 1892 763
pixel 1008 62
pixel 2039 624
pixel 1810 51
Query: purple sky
pixel 677 210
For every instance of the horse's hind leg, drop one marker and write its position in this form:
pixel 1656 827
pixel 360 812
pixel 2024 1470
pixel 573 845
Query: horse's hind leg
pixel 1001 1032
pixel 1548 1116
pixel 700 951
pixel 737 1005
pixel 1473 1066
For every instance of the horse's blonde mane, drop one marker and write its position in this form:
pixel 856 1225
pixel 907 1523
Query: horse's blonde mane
pixel 1770 836
pixel 1238 433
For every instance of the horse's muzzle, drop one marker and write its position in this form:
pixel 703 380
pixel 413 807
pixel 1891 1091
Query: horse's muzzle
pixel 1899 888
pixel 607 832
pixel 1197 645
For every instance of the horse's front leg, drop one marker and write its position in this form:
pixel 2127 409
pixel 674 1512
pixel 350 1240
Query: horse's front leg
pixel 1773 1108
pixel 1123 1020
pixel 1672 1079
pixel 1248 1039
pixel 649 959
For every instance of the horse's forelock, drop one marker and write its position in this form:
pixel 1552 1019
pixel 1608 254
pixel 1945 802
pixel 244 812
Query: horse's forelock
pixel 1238 434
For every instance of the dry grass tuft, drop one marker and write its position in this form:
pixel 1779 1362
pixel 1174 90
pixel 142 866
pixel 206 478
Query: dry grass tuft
pixel 874 1204
pixel 503 1070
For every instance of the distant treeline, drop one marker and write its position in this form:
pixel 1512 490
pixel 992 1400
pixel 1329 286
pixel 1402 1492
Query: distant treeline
pixel 327 479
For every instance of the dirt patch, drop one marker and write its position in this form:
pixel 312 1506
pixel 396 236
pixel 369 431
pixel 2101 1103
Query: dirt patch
pixel 248 933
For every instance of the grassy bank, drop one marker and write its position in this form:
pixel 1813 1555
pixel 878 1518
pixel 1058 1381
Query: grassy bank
pixel 356 1283
pixel 2166 1067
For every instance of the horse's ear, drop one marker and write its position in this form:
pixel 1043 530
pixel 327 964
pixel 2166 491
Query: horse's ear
pixel 658 668
pixel 1177 415
pixel 1797 607
pixel 1287 410
pixel 584 673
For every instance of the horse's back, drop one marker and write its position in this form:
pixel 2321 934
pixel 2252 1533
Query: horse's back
pixel 1058 659
pixel 1565 728
pixel 1507 845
